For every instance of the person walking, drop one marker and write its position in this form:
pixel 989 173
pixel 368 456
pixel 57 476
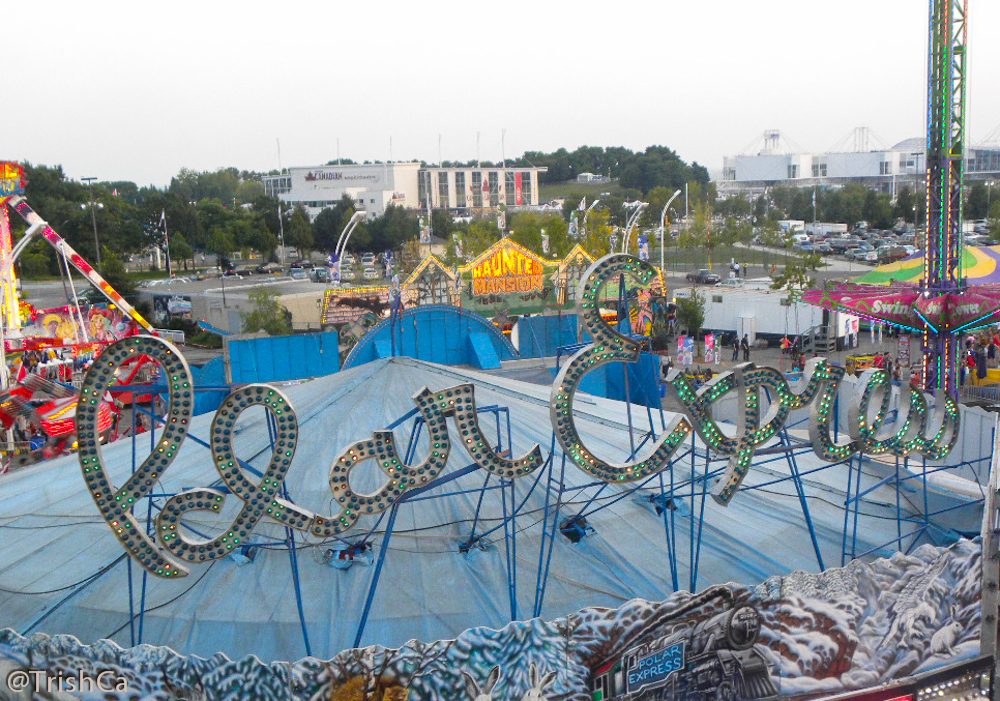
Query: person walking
pixel 745 345
pixel 736 348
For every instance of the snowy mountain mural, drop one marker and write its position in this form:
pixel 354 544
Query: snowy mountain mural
pixel 799 635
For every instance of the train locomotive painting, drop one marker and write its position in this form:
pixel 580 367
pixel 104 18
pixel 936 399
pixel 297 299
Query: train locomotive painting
pixel 714 660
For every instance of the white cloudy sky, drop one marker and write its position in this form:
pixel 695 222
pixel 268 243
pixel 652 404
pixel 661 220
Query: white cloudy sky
pixel 136 90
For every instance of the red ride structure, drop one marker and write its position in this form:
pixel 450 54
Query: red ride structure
pixel 48 407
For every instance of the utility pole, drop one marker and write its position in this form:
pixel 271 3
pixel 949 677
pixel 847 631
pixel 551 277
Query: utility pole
pixel 93 218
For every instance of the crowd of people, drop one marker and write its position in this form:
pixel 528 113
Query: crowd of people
pixel 981 352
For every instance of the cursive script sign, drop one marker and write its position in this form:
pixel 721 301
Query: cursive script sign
pixel 916 428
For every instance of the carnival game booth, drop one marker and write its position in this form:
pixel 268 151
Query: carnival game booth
pixel 490 519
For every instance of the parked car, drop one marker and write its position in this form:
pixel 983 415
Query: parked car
pixel 319 275
pixel 853 253
pixel 347 274
pixel 267 268
pixel 371 274
pixel 890 254
pixel 703 277
pixel 731 283
pixel 823 248
pixel 298 274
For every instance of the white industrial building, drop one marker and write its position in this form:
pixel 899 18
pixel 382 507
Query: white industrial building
pixel 375 186
pixel 372 186
pixel 903 164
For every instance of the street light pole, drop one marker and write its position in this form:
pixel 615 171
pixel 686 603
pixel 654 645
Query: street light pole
pixel 93 218
pixel 663 218
pixel 631 222
pixel 585 215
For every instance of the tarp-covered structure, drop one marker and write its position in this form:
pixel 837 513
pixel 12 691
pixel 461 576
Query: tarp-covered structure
pixel 62 571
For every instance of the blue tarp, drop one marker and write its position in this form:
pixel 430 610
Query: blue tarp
pixel 438 334
pixel 284 357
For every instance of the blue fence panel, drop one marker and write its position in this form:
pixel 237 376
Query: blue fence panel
pixel 211 374
pixel 609 381
pixel 540 336
pixel 282 358
pixel 438 334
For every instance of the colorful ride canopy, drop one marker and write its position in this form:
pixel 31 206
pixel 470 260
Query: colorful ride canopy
pixel 905 306
pixel 980 266
pixel 891 294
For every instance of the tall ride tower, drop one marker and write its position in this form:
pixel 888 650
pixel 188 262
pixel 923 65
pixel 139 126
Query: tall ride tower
pixel 946 90
pixel 942 306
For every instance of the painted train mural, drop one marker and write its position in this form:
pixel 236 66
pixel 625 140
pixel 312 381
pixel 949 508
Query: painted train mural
pixel 715 660
pixel 802 636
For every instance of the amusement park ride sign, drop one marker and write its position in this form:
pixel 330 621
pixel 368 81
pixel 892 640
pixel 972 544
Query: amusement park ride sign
pixel 168 550
pixel 507 270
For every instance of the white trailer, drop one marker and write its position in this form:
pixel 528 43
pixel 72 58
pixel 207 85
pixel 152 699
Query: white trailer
pixel 768 313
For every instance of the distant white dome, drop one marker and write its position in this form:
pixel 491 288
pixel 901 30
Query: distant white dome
pixel 915 144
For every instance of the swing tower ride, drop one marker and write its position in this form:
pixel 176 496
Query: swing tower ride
pixel 942 306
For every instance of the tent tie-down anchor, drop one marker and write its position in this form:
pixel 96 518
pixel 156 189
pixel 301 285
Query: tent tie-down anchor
pixel 576 528
pixel 342 558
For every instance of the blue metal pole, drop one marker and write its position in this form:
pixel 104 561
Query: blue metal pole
pixel 847 510
pixel 799 487
pixel 375 577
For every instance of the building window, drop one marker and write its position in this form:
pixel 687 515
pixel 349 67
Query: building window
pixel 510 188
pixel 422 188
pixel 526 188
pixel 477 189
pixel 885 168
pixel 277 186
pixel 443 189
pixel 461 195
pixel 819 170
pixel 793 172
pixel 494 181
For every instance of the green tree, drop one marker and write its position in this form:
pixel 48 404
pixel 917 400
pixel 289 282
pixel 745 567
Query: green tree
pixel 878 210
pixel 268 314
pixel 597 237
pixel 113 270
pixel 527 227
pixel 330 223
pixel 480 235
pixel 395 226
pixel 298 233
pixel 904 205
pixel 795 275
pixel 691 312
pixel 698 232
pixel 975 204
